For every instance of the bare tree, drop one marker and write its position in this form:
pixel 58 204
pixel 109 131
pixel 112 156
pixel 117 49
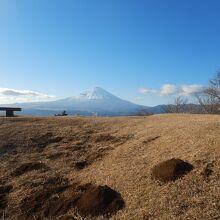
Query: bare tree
pixel 213 89
pixel 179 106
pixel 209 98
pixel 206 103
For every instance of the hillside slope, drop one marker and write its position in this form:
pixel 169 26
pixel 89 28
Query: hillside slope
pixel 44 158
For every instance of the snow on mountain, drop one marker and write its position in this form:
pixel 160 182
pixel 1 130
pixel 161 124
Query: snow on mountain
pixel 96 101
pixel 96 93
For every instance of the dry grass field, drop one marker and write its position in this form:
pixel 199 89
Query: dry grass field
pixel 50 167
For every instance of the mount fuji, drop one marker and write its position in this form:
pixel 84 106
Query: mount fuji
pixel 96 101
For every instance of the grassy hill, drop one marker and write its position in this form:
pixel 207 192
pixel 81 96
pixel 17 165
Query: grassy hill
pixel 50 164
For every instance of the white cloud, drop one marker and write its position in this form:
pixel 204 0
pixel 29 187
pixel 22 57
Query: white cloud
pixel 183 90
pixel 188 90
pixel 174 90
pixel 146 91
pixel 168 89
pixel 8 95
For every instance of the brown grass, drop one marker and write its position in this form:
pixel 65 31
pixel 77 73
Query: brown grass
pixel 118 152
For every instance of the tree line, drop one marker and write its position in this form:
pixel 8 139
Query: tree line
pixel 206 101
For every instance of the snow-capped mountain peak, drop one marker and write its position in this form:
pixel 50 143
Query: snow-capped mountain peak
pixel 96 93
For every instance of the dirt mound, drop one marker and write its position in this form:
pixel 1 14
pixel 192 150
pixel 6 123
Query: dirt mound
pixel 170 170
pixel 4 191
pixel 99 200
pixel 56 197
pixel 27 167
pixel 44 140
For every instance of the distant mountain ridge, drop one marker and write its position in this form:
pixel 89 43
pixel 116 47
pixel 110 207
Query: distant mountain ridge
pixel 96 101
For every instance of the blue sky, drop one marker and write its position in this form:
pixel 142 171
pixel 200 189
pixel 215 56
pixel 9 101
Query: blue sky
pixel 145 51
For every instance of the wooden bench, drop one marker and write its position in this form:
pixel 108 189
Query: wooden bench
pixel 9 111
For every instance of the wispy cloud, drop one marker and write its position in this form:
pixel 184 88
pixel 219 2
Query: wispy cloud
pixel 173 90
pixel 191 89
pixel 146 91
pixel 8 95
pixel 183 90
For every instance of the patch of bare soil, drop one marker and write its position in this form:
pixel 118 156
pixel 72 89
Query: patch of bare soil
pixel 56 197
pixel 44 140
pixel 8 149
pixel 28 167
pixel 99 200
pixel 170 170
pixel 4 191
pixel 40 202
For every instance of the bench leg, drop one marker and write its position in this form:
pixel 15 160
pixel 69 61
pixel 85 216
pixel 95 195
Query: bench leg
pixel 9 113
